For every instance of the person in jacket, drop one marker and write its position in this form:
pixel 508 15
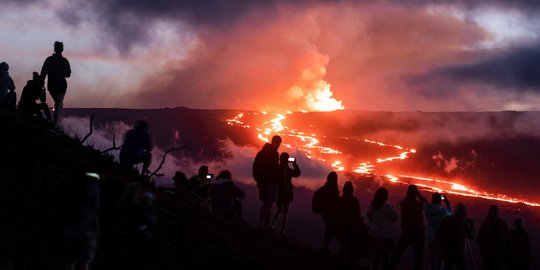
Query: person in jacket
pixel 32 92
pixel 349 221
pixel 56 69
pixel 137 147
pixel 285 189
pixel 265 168
pixel 412 227
pixel 491 237
pixel 452 234
pixel 6 84
pixel 329 194
pixel 518 247
pixel 225 196
pixel 381 218
pixel 435 214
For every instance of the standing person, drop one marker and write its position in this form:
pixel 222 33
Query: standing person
pixel 349 218
pixel 452 234
pixel 265 168
pixel 201 185
pixel 225 196
pixel 33 91
pixel 57 68
pixel 81 222
pixel 491 237
pixel 381 216
pixel 324 203
pixel 518 247
pixel 137 147
pixel 285 189
pixel 412 227
pixel 435 214
pixel 6 84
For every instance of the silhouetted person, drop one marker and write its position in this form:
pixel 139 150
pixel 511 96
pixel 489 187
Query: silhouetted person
pixel 181 180
pixel 265 167
pixel 81 225
pixel 349 218
pixel 435 214
pixel 225 196
pixel 327 196
pixel 140 221
pixel 285 190
pixel 6 86
pixel 382 231
pixel 32 92
pixel 452 234
pixel 518 247
pixel 491 237
pixel 201 185
pixel 137 147
pixel 412 227
pixel 56 68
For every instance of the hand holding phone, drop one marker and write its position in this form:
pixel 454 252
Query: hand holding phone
pixel 291 159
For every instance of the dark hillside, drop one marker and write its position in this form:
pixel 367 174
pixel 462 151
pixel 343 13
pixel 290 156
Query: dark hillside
pixel 39 171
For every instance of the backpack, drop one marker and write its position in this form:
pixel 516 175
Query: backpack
pixel 317 202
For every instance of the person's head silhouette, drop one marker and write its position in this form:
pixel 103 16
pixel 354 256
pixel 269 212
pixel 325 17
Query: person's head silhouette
pixel 4 66
pixel 276 141
pixel 348 189
pixel 284 158
pixel 58 47
pixel 35 76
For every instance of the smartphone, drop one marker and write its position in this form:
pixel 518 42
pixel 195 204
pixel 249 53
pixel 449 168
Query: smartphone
pixel 291 159
pixel 442 197
pixel 209 176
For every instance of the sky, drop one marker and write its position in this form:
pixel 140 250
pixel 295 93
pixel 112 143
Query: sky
pixel 295 55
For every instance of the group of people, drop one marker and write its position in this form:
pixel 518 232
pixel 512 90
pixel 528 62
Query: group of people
pixel 447 233
pixel 56 69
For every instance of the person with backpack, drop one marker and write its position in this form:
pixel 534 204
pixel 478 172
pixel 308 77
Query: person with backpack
pixel 285 190
pixel 324 203
pixel 265 168
pixel 381 217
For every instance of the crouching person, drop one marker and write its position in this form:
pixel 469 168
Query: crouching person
pixel 225 197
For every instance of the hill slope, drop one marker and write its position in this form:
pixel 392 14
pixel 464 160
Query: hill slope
pixel 38 173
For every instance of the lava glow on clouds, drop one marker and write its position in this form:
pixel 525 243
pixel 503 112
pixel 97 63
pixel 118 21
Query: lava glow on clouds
pixel 283 55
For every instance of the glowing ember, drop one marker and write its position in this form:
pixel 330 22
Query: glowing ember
pixel 311 146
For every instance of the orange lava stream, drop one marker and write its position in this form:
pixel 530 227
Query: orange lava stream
pixel 311 146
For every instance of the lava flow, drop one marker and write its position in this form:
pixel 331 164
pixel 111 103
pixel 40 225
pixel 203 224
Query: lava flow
pixel 310 144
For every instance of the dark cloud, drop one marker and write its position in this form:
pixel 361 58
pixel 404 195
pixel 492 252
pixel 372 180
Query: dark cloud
pixel 517 69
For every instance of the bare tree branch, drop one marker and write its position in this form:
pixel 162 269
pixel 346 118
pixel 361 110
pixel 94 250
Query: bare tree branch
pixel 114 147
pixel 91 129
pixel 163 159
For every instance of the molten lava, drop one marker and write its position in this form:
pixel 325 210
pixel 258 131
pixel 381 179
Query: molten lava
pixel 311 146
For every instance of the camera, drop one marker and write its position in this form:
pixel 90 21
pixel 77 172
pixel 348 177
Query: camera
pixel 209 176
pixel 291 159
